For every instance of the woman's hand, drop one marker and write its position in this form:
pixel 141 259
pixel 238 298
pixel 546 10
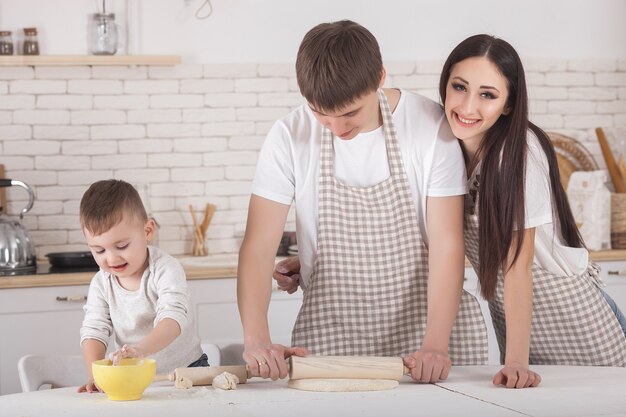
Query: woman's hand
pixel 127 351
pixel 516 376
pixel 89 387
pixel 269 361
pixel 287 274
pixel 428 365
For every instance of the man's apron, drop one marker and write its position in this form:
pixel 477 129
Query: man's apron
pixel 367 291
pixel 572 324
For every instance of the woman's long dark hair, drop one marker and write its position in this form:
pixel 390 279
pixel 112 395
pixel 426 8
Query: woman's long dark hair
pixel 502 175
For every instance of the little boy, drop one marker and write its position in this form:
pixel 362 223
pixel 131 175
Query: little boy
pixel 140 294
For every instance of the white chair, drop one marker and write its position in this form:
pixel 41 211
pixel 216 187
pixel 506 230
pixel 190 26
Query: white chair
pixel 213 353
pixel 57 371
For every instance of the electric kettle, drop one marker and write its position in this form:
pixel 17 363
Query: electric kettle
pixel 17 250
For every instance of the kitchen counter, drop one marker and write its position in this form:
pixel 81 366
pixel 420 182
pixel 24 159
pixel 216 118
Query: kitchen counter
pixel 205 267
pixel 565 391
pixel 199 267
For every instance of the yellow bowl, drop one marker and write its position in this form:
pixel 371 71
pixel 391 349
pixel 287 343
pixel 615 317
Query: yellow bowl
pixel 126 381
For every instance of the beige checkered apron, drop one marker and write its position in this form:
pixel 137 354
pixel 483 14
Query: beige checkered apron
pixel 572 324
pixel 367 291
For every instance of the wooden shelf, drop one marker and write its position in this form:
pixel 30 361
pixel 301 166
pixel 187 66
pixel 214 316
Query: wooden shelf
pixel 69 60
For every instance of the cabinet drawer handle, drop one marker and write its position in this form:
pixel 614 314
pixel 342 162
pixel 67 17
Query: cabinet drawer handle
pixel 72 298
pixel 622 272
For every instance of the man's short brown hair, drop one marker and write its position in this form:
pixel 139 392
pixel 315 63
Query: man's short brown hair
pixel 105 203
pixel 338 63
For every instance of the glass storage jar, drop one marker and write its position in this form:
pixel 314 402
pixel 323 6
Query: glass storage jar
pixel 31 43
pixel 103 34
pixel 6 43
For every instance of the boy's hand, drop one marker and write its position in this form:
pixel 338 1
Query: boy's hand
pixel 127 351
pixel 89 387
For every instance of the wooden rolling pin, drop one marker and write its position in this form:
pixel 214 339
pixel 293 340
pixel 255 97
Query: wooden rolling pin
pixel 616 177
pixel 328 367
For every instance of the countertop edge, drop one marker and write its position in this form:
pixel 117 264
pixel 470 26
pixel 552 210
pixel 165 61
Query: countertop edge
pixel 197 272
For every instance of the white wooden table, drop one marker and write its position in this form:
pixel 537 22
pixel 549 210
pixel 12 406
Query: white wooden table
pixel 565 391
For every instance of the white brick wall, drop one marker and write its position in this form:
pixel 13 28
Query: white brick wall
pixel 192 133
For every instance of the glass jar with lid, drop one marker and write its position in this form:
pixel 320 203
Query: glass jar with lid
pixel 103 34
pixel 31 43
pixel 6 42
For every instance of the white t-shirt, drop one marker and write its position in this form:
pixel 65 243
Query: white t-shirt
pixel 550 253
pixel 132 315
pixel 288 166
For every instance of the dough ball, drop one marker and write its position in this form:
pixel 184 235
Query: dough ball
pixel 225 381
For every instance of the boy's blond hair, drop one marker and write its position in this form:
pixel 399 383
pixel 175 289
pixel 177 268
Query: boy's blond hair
pixel 106 203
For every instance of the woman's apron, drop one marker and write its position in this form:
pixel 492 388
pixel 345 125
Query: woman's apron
pixel 367 291
pixel 572 324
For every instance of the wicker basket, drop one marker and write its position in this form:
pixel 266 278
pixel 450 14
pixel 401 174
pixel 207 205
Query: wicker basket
pixel 571 156
pixel 618 221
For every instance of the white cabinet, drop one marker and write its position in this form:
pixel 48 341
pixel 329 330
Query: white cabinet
pixel 44 320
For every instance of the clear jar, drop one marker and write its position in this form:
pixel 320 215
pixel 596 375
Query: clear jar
pixel 103 34
pixel 6 43
pixel 31 43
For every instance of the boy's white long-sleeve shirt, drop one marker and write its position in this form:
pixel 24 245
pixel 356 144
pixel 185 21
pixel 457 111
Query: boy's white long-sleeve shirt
pixel 131 315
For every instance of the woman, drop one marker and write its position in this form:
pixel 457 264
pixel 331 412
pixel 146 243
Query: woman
pixel 520 236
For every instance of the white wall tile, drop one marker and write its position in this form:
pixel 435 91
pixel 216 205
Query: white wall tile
pixel 175 72
pixel 17 73
pixel 95 87
pixel 155 116
pixel 201 144
pixel 98 117
pixel 64 101
pixel 611 79
pixel 15 101
pixel 62 73
pixel 257 85
pixel 123 102
pixel 145 145
pixel 130 72
pixel 151 87
pixel 230 70
pixel 37 87
pixel 33 147
pixel 64 132
pixel 169 101
pixel 46 117
pixel 207 86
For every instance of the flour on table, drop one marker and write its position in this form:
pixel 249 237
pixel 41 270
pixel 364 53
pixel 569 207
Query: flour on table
pixel 342 385
pixel 225 381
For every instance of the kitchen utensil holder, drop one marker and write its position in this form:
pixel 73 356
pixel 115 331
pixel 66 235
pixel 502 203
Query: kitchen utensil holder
pixel 618 220
pixel 200 229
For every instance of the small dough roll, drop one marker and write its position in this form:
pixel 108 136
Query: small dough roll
pixel 342 385
pixel 183 383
